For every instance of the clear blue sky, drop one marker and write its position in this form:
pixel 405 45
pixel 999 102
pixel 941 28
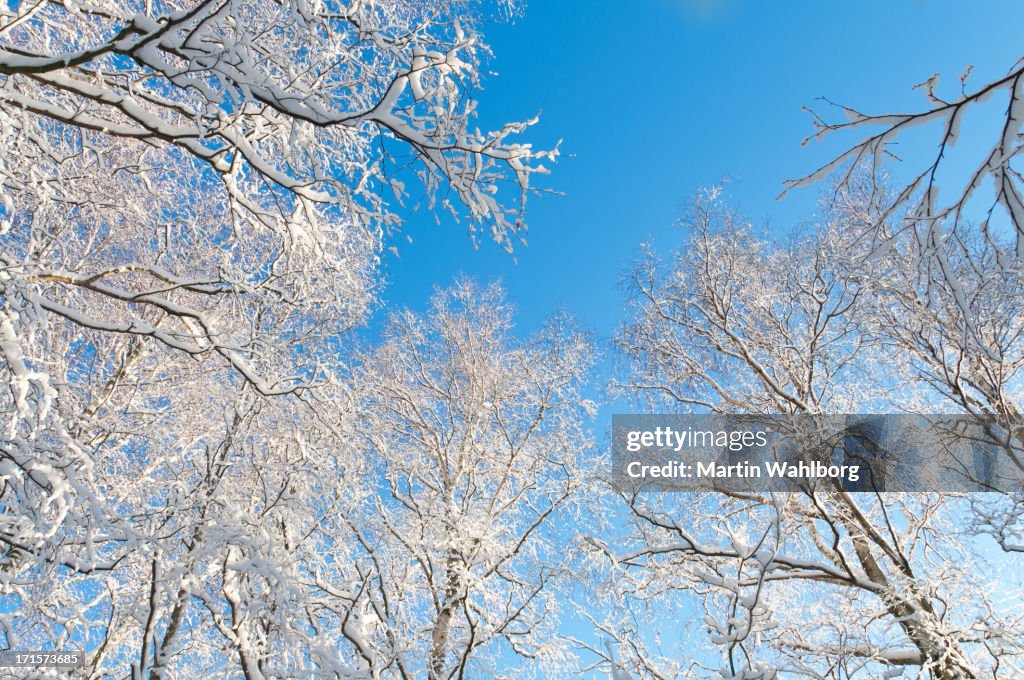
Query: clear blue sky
pixel 655 98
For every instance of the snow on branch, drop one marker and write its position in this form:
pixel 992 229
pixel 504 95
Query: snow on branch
pixel 919 195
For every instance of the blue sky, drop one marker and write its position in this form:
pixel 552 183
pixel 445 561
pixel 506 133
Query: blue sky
pixel 655 98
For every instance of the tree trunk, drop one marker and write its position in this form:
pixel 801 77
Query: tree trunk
pixel 442 627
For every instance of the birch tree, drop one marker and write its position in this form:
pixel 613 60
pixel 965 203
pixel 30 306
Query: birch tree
pixel 816 584
pixel 960 255
pixel 478 448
